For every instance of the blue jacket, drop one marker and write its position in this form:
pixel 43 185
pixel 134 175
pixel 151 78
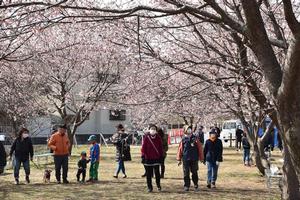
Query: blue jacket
pixel 213 151
pixel 94 153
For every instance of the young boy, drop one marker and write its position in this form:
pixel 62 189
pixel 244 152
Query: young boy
pixel 94 158
pixel 82 165
pixel 190 152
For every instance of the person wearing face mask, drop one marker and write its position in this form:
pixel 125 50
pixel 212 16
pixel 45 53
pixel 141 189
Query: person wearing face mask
pixel 121 140
pixel 59 143
pixel 23 149
pixel 213 155
pixel 190 152
pixel 152 155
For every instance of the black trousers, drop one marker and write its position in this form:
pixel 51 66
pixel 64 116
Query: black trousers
pixel 162 166
pixel 79 172
pixel 61 162
pixel 149 175
pixel 190 166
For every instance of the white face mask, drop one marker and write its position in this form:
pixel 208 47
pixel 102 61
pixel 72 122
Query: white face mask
pixel 189 131
pixel 25 135
pixel 152 132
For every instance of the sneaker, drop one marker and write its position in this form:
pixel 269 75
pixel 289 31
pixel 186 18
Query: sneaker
pixel 27 179
pixel 115 176
pixel 213 185
pixel 209 185
pixel 89 180
pixel 150 190
pixel 159 189
pixel 17 181
pixel 125 176
pixel 58 182
pixel 186 189
pixel 196 188
pixel 66 181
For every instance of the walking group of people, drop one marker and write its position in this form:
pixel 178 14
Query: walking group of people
pixel 154 149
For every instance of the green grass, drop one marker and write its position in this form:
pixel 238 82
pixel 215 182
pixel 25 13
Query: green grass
pixel 235 181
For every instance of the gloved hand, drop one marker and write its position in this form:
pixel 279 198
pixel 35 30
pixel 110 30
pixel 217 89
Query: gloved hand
pixel 143 159
pixel 179 163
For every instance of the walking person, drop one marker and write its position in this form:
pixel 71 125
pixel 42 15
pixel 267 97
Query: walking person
pixel 164 138
pixel 152 155
pixel 2 158
pixel 246 148
pixel 120 140
pixel 23 149
pixel 190 151
pixel 213 155
pixel 94 158
pixel 200 134
pixel 59 143
pixel 82 165
pixel 238 138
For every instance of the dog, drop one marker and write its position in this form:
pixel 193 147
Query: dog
pixel 47 175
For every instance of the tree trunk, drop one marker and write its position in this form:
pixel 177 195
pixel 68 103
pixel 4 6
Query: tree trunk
pixel 258 160
pixel 290 187
pixel 71 134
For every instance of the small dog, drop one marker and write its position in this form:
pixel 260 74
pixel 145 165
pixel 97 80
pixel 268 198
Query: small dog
pixel 47 175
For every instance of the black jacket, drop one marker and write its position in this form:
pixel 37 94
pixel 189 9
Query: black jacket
pixel 22 148
pixel 2 155
pixel 122 143
pixel 213 151
pixel 82 163
pixel 246 144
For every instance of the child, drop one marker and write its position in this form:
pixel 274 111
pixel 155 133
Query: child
pixel 246 147
pixel 213 155
pixel 82 165
pixel 94 158
pixel 190 152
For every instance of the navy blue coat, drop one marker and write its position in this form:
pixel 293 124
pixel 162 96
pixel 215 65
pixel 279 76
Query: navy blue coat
pixel 213 151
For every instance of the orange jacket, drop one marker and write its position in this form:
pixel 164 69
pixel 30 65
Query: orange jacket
pixel 59 144
pixel 199 148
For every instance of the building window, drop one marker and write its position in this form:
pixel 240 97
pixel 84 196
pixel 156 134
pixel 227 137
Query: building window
pixel 117 115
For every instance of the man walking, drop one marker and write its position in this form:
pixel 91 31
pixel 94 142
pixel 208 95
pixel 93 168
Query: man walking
pixel 59 143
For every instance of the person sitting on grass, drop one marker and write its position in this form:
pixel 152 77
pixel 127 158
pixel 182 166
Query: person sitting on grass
pixel 82 165
pixel 94 158
pixel 213 155
pixel 190 152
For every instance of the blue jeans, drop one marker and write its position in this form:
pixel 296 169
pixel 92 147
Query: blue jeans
pixel 212 172
pixel 120 167
pixel 246 155
pixel 18 166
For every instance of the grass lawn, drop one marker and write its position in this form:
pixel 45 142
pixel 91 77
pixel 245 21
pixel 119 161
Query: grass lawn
pixel 235 181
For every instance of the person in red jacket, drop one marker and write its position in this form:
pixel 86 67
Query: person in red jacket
pixel 152 155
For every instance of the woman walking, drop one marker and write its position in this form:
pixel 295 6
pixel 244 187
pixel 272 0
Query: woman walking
pixel 213 155
pixel 152 156
pixel 164 138
pixel 23 149
pixel 120 140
